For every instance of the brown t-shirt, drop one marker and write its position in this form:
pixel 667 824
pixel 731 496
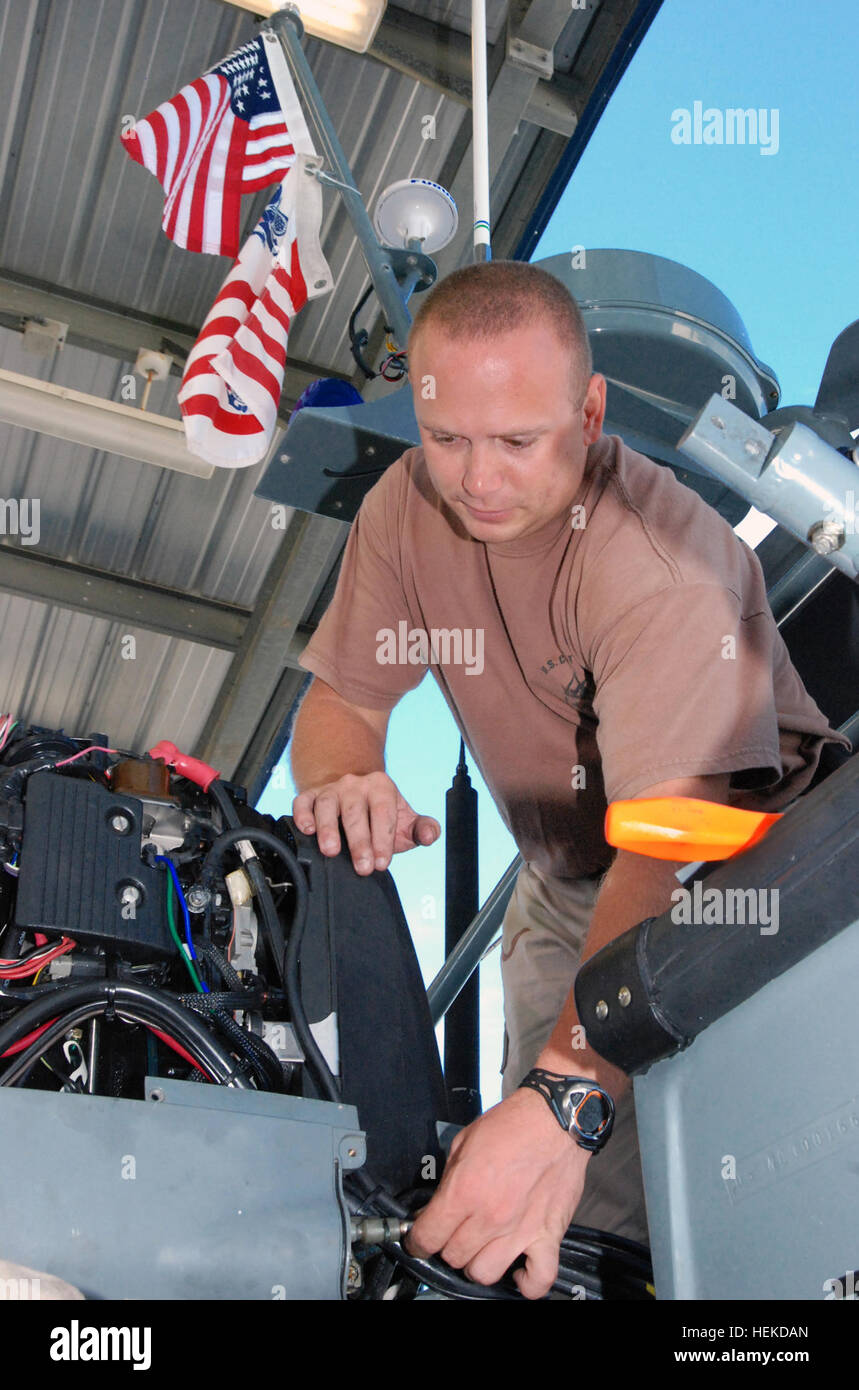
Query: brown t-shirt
pixel 625 644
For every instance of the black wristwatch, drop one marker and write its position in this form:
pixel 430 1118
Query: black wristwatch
pixel 580 1106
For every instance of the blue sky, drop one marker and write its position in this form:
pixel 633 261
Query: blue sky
pixel 776 233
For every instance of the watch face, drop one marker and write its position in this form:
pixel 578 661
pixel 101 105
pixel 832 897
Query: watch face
pixel 587 1110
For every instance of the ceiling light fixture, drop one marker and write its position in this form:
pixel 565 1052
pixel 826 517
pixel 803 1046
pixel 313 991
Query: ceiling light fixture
pixel 349 23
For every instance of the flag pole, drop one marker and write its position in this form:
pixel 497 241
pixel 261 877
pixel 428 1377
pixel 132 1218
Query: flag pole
pixel 287 26
pixel 480 132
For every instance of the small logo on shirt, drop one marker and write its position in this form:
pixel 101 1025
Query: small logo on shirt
pixel 580 687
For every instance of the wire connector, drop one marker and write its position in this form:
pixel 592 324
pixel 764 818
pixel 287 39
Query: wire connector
pixel 376 1230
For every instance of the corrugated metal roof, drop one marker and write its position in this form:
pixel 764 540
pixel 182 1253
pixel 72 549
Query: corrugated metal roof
pixel 67 670
pixel 207 536
pixel 78 216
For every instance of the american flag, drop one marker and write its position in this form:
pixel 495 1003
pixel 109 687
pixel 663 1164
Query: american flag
pixel 234 374
pixel 234 130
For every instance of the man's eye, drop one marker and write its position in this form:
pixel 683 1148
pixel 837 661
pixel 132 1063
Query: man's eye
pixel 444 438
pixel 519 443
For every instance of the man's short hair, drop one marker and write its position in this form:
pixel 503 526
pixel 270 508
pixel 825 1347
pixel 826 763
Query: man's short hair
pixel 479 302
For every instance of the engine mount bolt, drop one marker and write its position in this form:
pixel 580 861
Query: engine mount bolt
pixel 120 823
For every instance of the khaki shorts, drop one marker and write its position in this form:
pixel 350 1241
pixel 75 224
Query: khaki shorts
pixel 544 929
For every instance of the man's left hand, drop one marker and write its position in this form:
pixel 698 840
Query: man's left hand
pixel 511 1185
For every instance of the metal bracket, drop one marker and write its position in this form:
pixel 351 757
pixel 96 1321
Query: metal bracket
pixel 407 265
pixel 526 55
pixel 44 336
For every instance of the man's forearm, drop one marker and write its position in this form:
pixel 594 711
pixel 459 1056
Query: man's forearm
pixel 329 741
pixel 633 888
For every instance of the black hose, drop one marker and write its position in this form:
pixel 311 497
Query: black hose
pixel 445 1280
pixel 148 1005
pixel 271 921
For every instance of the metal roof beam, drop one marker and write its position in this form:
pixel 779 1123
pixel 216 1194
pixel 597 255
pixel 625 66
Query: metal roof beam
pixel 130 601
pixel 440 58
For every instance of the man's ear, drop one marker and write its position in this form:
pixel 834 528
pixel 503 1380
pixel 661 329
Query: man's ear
pixel 594 408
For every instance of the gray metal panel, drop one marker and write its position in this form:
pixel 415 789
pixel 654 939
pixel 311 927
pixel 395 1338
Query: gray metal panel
pixel 215 1193
pixel 773 1083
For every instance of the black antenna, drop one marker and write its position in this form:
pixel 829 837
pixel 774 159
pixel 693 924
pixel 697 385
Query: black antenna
pixel 462 1020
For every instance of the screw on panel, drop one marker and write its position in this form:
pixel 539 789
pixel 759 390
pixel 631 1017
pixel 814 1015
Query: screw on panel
pixel 601 1009
pixel 624 997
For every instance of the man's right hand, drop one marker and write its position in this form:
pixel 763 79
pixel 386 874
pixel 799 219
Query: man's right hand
pixel 377 820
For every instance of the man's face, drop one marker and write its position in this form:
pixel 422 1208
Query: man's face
pixel 504 437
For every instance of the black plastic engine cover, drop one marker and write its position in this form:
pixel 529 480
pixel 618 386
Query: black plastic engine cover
pixel 74 866
pixel 389 1063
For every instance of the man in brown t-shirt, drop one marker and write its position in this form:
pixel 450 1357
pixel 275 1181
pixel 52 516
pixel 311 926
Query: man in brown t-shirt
pixel 598 633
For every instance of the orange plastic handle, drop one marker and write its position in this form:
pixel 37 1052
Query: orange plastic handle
pixel 684 827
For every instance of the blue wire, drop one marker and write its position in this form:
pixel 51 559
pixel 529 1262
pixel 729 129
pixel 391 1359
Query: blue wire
pixel 163 859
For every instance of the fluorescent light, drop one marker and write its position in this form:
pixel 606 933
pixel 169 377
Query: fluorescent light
pixel 349 23
pixel 97 423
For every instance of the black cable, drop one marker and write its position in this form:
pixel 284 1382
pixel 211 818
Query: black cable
pixel 360 338
pixel 377 1283
pixel 146 1005
pixel 12 783
pixel 610 1238
pixel 271 922
pixel 18 1070
pixel 443 1280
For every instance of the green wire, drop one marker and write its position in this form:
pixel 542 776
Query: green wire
pixel 171 889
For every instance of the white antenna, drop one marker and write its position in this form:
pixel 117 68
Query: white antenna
pixel 480 131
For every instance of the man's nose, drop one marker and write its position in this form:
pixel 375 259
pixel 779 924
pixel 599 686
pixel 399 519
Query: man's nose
pixel 482 476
